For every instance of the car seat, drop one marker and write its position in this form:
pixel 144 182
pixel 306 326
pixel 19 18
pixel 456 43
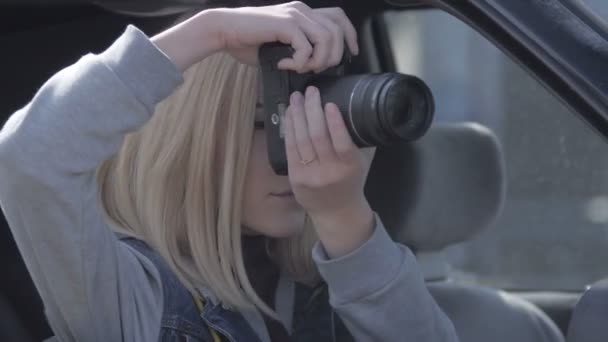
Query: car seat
pixel 442 190
pixel 589 321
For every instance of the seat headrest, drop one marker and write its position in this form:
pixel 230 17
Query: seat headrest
pixel 588 322
pixel 441 189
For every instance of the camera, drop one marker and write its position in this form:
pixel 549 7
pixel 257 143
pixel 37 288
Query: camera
pixel 378 109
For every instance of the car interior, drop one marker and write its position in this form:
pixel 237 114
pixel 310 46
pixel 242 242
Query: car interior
pixel 466 197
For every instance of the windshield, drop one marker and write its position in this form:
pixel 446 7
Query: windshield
pixel 552 233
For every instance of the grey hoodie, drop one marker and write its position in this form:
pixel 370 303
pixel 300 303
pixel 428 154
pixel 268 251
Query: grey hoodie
pixel 97 289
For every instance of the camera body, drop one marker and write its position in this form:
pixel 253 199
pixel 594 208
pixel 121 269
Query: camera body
pixel 278 87
pixel 378 109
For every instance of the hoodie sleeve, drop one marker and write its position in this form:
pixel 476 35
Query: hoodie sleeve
pixel 94 288
pixel 379 292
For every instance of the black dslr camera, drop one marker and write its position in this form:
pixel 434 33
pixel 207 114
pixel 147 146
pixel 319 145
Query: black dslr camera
pixel 378 109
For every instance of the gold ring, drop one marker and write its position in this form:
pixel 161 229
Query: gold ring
pixel 306 162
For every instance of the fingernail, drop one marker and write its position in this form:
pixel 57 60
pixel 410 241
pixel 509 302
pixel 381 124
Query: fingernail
pixel 296 98
pixel 311 90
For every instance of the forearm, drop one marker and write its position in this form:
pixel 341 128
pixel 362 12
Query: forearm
pixel 192 40
pixel 49 151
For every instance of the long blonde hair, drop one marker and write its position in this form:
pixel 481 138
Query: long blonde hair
pixel 177 183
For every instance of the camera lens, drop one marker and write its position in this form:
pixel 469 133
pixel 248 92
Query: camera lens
pixel 380 109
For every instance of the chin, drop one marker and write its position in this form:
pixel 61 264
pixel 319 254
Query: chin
pixel 281 226
pixel 286 230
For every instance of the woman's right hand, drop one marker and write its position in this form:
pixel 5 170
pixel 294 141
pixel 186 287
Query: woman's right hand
pixel 316 35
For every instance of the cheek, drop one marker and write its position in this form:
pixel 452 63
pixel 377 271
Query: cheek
pixel 256 174
pixel 259 173
pixel 258 182
pixel 262 212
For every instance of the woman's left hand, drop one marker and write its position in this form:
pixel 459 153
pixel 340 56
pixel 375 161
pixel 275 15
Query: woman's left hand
pixel 327 172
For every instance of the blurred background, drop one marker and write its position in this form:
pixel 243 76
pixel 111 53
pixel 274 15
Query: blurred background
pixel 553 231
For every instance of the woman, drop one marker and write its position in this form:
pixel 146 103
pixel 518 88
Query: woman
pixel 137 186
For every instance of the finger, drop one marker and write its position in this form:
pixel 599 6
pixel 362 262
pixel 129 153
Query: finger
pixel 337 41
pixel 298 41
pixel 303 144
pixel 337 15
pixel 317 126
pixel 321 40
pixel 343 143
pixel 291 148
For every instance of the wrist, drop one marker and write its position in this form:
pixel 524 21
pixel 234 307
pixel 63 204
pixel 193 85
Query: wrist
pixel 211 26
pixel 192 40
pixel 344 230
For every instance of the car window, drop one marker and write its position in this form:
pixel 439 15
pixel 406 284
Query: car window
pixel 599 7
pixel 553 231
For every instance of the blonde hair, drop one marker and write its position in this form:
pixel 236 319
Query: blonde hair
pixel 177 183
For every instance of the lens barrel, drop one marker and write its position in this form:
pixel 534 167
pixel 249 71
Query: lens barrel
pixel 380 109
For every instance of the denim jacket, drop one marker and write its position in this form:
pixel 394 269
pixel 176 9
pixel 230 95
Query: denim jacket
pixel 313 320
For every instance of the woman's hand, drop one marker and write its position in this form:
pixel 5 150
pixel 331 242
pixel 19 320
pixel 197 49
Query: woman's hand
pixel 317 35
pixel 327 172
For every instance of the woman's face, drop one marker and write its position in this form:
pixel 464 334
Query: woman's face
pixel 269 206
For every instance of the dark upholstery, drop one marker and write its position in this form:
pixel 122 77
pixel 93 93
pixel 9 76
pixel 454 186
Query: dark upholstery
pixel 589 321
pixel 484 314
pixel 442 190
